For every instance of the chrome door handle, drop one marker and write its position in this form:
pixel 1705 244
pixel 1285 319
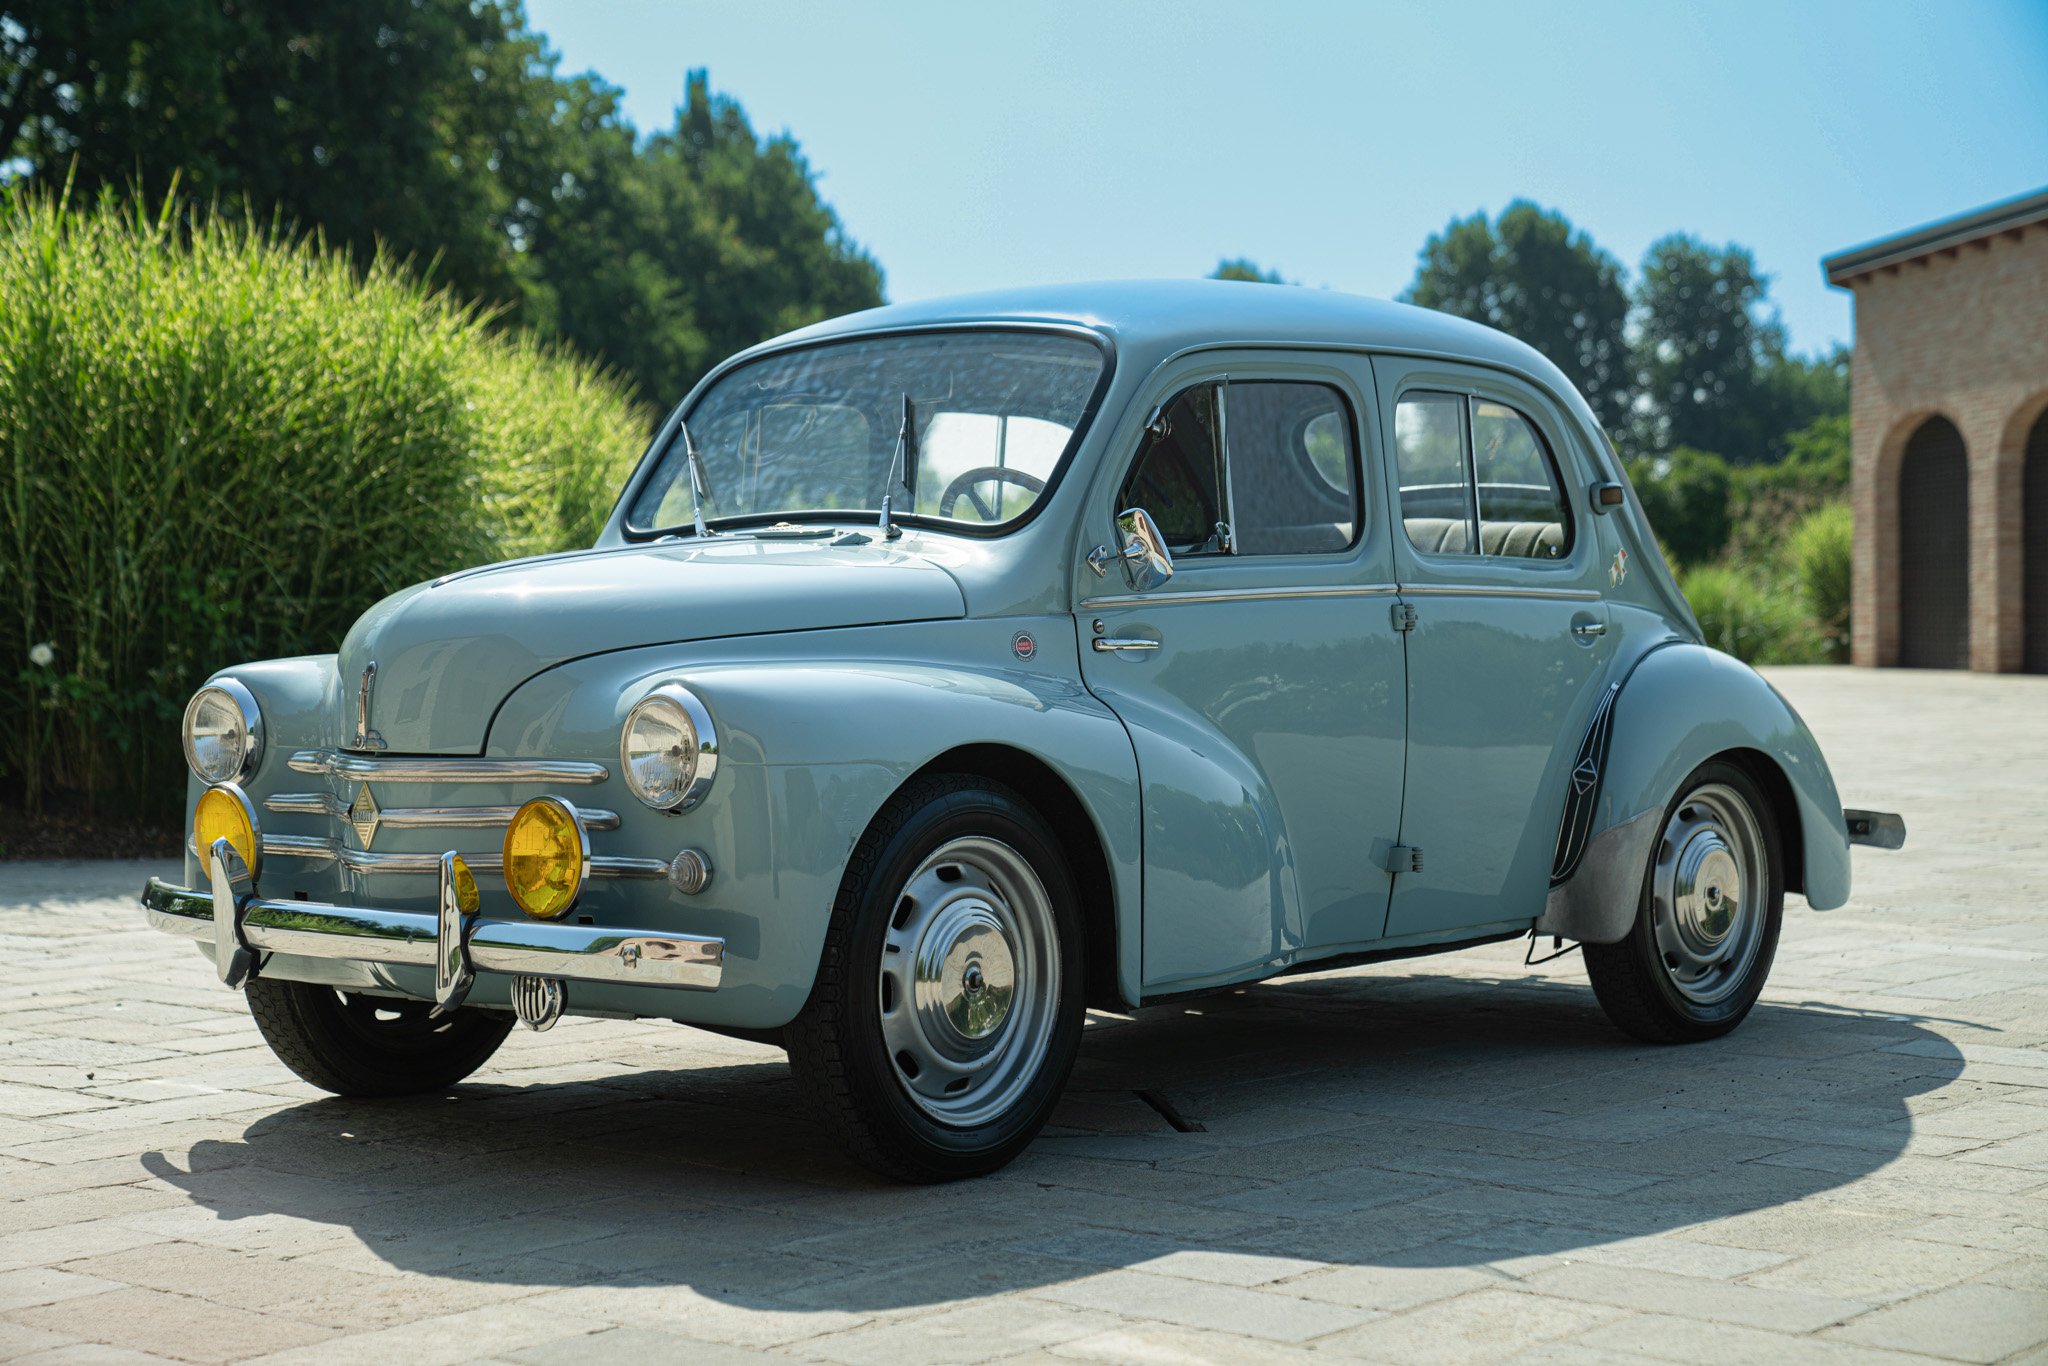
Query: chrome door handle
pixel 1586 630
pixel 1107 643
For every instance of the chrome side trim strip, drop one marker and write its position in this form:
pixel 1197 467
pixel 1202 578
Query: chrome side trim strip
pixel 1495 590
pixel 298 846
pixel 425 817
pixel 313 929
pixel 1376 590
pixel 365 862
pixel 337 762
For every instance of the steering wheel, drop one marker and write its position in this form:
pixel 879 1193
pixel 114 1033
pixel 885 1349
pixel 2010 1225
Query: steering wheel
pixel 969 481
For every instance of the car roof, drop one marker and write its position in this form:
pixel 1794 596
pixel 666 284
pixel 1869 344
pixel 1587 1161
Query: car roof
pixel 1161 317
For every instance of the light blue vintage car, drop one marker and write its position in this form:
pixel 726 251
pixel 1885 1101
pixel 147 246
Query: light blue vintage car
pixel 950 668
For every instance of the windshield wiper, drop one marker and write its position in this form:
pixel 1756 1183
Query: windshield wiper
pixel 700 484
pixel 902 468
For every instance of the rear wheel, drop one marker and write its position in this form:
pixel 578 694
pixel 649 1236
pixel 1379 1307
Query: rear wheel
pixel 1706 929
pixel 947 1008
pixel 357 1045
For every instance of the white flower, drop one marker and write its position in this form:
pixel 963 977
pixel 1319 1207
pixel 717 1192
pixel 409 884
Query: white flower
pixel 42 654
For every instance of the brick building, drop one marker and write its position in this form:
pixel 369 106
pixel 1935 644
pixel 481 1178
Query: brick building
pixel 1950 422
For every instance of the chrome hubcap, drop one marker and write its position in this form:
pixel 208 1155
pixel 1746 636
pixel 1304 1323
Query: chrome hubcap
pixel 1707 891
pixel 969 980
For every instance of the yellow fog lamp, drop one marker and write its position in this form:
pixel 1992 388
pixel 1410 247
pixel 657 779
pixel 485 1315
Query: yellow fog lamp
pixel 547 856
pixel 467 899
pixel 225 813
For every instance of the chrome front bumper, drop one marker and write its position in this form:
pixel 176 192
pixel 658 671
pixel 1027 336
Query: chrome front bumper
pixel 457 946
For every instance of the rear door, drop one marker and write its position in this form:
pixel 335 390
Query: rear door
pixel 1507 651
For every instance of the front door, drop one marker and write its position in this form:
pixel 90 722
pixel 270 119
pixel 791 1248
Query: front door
pixel 1507 650
pixel 1262 683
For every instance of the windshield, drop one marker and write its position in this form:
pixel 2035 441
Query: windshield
pixel 814 433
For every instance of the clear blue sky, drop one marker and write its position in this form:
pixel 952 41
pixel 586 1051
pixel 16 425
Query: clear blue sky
pixel 971 146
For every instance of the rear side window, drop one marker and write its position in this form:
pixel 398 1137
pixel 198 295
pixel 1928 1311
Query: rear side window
pixel 1287 484
pixel 1477 477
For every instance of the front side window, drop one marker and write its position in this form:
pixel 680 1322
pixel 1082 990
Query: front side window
pixel 1260 467
pixel 812 434
pixel 1178 476
pixel 1477 478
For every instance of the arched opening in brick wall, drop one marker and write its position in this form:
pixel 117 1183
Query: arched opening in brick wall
pixel 2034 551
pixel 1934 548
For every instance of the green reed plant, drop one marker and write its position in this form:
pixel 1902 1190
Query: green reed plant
pixel 219 443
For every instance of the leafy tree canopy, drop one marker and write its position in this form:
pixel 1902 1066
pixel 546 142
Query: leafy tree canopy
pixel 1246 269
pixel 1535 277
pixel 443 129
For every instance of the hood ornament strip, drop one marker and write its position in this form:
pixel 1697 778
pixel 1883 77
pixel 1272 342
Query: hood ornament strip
pixel 366 739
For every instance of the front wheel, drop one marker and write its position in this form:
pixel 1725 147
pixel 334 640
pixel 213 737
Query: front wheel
pixel 357 1045
pixel 1706 929
pixel 948 1003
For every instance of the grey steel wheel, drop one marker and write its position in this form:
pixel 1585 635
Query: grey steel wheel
pixel 1708 890
pixel 969 983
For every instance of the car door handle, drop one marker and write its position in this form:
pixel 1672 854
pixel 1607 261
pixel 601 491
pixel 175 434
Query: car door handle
pixel 1105 644
pixel 1586 630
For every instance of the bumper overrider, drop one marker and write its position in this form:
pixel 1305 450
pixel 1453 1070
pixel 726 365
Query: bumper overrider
pixel 456 942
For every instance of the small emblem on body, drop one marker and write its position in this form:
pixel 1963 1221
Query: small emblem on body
pixel 1617 573
pixel 1025 647
pixel 363 815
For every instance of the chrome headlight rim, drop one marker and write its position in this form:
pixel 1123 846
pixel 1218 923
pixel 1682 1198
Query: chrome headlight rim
pixel 690 709
pixel 251 715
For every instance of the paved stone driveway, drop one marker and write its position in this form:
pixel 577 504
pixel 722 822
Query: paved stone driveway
pixel 1434 1161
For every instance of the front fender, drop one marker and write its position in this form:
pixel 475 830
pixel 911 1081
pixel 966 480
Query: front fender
pixel 816 732
pixel 299 699
pixel 1682 705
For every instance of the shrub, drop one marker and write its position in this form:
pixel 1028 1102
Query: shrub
pixel 1685 495
pixel 1741 615
pixel 219 444
pixel 1822 549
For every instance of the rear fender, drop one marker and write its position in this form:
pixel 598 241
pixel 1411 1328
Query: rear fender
pixel 1682 705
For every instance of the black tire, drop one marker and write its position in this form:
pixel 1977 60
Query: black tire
pixel 371 1045
pixel 1641 981
pixel 837 1045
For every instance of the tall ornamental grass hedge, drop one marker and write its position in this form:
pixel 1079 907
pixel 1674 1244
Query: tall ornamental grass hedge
pixel 218 443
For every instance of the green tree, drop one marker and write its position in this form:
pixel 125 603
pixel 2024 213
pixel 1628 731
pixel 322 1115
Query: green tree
pixel 1712 362
pixel 442 130
pixel 1535 277
pixel 1246 269
pixel 396 120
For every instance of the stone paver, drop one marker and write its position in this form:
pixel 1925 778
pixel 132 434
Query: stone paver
pixel 1438 1160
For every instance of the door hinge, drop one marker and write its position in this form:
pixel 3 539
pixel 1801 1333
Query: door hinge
pixel 1404 858
pixel 1404 616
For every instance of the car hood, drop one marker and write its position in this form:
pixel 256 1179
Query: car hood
pixel 447 652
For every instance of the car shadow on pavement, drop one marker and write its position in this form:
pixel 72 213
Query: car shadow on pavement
pixel 1386 1121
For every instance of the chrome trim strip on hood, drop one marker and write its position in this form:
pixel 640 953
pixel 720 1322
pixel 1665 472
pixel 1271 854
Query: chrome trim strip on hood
pixel 340 763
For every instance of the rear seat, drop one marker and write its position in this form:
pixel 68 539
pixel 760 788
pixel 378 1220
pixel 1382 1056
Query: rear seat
pixel 1526 540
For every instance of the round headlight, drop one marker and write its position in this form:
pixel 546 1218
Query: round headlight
pixel 224 813
pixel 547 856
pixel 223 731
pixel 669 750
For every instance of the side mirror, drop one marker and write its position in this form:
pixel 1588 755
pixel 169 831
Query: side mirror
pixel 1146 561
